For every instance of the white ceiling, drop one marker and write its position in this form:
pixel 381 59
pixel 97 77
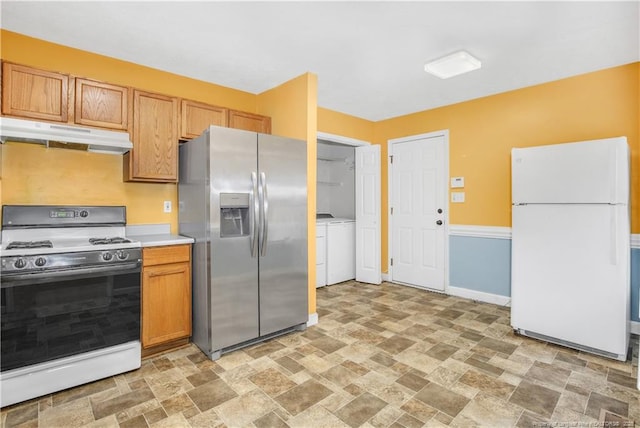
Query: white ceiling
pixel 368 56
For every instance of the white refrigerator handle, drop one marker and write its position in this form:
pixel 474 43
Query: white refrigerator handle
pixel 254 205
pixel 613 238
pixel 264 227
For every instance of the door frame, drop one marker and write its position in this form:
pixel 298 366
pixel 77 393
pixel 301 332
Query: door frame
pixel 353 142
pixel 347 141
pixel 442 133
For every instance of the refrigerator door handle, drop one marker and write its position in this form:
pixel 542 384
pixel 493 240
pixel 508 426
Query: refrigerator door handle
pixel 613 249
pixel 264 227
pixel 255 206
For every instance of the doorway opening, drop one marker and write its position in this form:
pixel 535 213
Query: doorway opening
pixel 348 210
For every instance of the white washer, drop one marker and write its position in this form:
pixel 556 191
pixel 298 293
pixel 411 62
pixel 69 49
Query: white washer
pixel 321 253
pixel 341 250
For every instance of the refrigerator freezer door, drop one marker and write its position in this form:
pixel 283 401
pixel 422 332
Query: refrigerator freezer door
pixel 234 272
pixel 193 214
pixel 283 255
pixel 586 172
pixel 570 280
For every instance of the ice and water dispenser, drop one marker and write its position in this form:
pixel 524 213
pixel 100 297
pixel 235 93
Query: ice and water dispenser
pixel 234 215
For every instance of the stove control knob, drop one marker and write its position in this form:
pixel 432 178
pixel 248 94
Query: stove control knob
pixel 84 213
pixel 20 263
pixel 107 256
pixel 41 261
pixel 122 255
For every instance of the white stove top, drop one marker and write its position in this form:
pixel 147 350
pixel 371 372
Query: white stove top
pixel 64 240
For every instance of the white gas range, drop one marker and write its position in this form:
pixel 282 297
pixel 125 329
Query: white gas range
pixel 70 294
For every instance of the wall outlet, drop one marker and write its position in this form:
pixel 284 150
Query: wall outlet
pixel 167 206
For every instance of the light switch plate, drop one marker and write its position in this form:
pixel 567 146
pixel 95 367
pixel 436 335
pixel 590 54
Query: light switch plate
pixel 457 197
pixel 457 182
pixel 167 206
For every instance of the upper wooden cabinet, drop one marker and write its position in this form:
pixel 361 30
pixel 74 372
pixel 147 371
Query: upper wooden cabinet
pixel 196 117
pixel 101 104
pixel 154 156
pixel 249 121
pixel 34 94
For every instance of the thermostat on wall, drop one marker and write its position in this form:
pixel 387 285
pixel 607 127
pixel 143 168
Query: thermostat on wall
pixel 457 182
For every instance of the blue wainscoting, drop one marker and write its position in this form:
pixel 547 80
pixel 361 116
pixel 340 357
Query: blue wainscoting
pixel 635 284
pixel 480 264
pixel 484 265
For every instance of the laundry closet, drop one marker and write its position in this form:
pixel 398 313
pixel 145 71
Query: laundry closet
pixel 336 213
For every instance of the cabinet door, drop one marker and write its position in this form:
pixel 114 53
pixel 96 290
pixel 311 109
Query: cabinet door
pixel 34 94
pixel 249 122
pixel 101 104
pixel 154 156
pixel 166 303
pixel 196 117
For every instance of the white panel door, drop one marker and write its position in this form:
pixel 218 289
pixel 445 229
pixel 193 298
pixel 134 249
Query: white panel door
pixel 418 201
pixel 368 214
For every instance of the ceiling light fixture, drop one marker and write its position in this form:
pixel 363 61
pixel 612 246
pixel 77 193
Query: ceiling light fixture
pixel 452 65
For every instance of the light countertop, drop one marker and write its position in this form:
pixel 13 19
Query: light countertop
pixel 155 235
pixel 161 239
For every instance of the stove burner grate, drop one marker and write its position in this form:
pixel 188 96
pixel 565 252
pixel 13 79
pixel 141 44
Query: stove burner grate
pixel 105 241
pixel 29 244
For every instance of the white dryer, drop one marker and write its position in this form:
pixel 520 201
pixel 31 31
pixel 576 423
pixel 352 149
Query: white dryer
pixel 340 244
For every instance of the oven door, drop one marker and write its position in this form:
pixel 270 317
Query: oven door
pixel 50 315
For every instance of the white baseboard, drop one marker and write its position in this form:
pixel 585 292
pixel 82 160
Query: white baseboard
pixel 635 327
pixel 385 277
pixel 480 296
pixel 313 319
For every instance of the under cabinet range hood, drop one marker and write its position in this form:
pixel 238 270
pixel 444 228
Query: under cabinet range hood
pixel 64 136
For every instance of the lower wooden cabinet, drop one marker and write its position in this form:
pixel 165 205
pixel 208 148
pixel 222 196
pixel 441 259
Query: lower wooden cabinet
pixel 166 294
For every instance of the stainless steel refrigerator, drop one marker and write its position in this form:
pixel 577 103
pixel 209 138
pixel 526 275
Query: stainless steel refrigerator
pixel 243 198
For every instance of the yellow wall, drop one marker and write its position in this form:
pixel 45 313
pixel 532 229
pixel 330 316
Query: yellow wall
pixel 33 174
pixel 482 132
pixel 292 107
pixel 344 125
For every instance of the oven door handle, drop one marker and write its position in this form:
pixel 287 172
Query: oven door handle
pixel 122 268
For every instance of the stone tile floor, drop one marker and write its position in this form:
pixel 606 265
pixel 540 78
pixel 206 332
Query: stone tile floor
pixel 380 356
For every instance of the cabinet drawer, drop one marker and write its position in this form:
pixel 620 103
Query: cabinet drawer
pixel 163 255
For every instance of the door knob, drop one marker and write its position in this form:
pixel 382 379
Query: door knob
pixel 439 222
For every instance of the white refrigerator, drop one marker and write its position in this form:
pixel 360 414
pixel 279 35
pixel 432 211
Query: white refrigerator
pixel 570 272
